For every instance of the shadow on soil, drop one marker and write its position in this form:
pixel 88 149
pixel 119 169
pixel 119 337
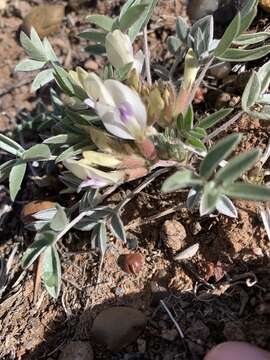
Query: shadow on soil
pixel 213 313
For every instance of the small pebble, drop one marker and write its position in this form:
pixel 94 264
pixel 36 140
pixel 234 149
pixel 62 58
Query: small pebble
pixel 131 263
pixel 173 234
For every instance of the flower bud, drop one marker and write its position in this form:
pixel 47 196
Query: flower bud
pixel 120 52
pixel 155 106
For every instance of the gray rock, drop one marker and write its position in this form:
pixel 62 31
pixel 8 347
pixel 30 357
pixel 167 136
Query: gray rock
pixel 77 350
pixel 118 326
pixel 197 9
pixel 222 10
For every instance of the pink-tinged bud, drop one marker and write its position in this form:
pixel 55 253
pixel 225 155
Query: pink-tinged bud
pixel 131 163
pixel 132 174
pixel 147 149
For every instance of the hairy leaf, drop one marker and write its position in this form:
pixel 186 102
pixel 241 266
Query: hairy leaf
pixel 252 91
pixel 179 180
pixel 102 21
pixel 244 191
pixel 16 176
pixel 237 166
pixel 214 118
pixel 41 241
pixel 239 55
pixel 228 37
pixel 220 151
pixel 51 271
pixel 37 152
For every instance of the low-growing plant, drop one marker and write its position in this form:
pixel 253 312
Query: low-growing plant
pixel 118 126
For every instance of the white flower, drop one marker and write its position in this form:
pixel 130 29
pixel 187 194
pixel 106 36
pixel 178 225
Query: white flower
pixel 120 51
pixel 119 107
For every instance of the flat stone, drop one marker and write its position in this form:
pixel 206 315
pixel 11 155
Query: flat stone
pixel 46 19
pixel 118 326
pixel 77 350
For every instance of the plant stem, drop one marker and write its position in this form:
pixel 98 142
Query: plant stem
pixel 147 57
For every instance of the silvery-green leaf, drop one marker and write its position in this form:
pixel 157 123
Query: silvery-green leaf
pixel 220 151
pixel 198 132
pixel 264 76
pixel 71 151
pixel 117 228
pixel 205 27
pixel 188 119
pixel 10 145
pixel 195 142
pixel 102 21
pixel 35 53
pixel 264 99
pixel 94 35
pixel 237 166
pixel 37 152
pixel 51 271
pixel 60 220
pixel 214 118
pixel 42 78
pixel 131 16
pixel 252 91
pixel 47 214
pixel 50 54
pixel 29 65
pixel 41 241
pixel 88 199
pixel 181 29
pixel 5 169
pixel 239 55
pixel 193 197
pixel 61 139
pixel 263 115
pixel 99 238
pixel 85 224
pixel 187 253
pixel 173 44
pixel 210 197
pixel 16 176
pixel 63 80
pixel 244 191
pixel 248 13
pixel 143 20
pixel 228 37
pixel 251 38
pixel 127 5
pixel 36 39
pixel 226 207
pixel 179 180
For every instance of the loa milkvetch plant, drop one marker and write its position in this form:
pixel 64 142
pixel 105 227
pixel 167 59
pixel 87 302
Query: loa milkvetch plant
pixel 119 125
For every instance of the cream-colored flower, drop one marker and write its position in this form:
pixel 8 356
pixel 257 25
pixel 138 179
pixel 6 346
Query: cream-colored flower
pixel 120 51
pixel 119 107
